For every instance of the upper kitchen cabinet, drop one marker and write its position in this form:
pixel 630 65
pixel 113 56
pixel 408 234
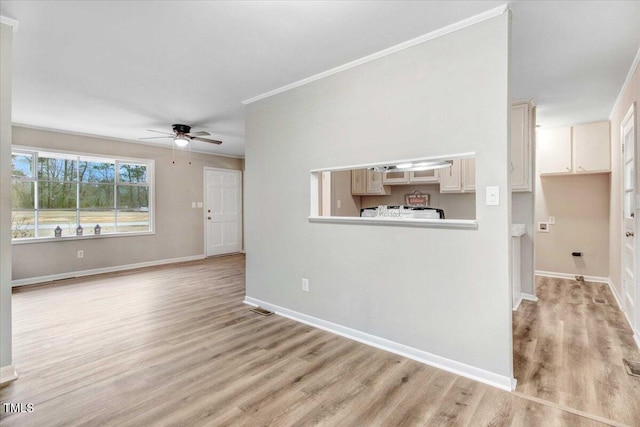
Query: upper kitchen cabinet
pixel 413 177
pixel 576 149
pixel 366 182
pixel 459 178
pixel 554 150
pixel 424 177
pixel 522 131
pixel 395 178
pixel 591 148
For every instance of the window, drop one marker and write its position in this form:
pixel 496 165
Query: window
pixel 51 190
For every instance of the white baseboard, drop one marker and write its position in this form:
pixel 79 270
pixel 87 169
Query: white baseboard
pixel 529 297
pixel 71 274
pixel 636 334
pixel 616 296
pixel 570 276
pixel 458 368
pixel 7 374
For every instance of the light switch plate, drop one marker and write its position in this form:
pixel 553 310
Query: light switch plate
pixel 552 220
pixel 193 204
pixel 493 196
pixel 199 204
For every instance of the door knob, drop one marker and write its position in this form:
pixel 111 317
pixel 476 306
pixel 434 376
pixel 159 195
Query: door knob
pixel 629 234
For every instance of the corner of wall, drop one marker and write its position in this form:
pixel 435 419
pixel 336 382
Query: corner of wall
pixel 6 65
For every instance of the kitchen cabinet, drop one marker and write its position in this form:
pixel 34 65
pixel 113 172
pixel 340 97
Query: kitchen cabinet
pixel 591 151
pixel 459 178
pixel 358 181
pixel 468 175
pixel 406 178
pixel 395 178
pixel 366 182
pixel 554 150
pixel 522 133
pixel 424 177
pixel 571 150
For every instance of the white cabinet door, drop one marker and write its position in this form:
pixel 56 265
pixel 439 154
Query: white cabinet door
pixel 459 178
pixel 554 150
pixel 450 179
pixel 424 177
pixel 520 147
pixel 374 183
pixel 591 149
pixel 469 175
pixel 394 178
pixel 358 181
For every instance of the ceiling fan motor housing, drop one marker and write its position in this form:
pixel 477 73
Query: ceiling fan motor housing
pixel 181 128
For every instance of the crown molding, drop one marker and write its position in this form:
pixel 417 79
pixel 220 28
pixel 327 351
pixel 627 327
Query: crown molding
pixel 405 45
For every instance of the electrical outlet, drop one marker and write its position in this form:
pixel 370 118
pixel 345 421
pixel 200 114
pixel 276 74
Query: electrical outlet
pixel 199 204
pixel 80 254
pixel 305 285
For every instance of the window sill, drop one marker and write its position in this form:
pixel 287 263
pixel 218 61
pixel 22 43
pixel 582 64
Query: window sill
pixel 70 238
pixel 401 222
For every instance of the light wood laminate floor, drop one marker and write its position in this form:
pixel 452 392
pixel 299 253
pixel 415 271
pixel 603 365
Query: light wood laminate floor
pixel 175 345
pixel 568 349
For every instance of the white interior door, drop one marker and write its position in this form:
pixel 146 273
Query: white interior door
pixel 629 246
pixel 223 209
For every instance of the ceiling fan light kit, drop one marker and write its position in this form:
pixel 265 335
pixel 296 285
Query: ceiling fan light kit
pixel 181 140
pixel 181 135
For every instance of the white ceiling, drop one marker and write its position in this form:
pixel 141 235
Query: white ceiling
pixel 117 68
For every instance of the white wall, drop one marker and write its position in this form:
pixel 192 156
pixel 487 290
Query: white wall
pixel 441 291
pixel 580 205
pixel 179 230
pixel 6 64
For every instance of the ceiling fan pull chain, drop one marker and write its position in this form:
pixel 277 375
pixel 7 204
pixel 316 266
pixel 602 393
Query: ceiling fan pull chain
pixel 173 153
pixel 189 153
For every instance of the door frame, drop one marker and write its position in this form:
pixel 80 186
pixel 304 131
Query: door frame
pixel 204 207
pixel 632 318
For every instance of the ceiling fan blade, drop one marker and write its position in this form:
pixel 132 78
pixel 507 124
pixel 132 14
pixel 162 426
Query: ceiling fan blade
pixel 213 141
pixel 157 131
pixel 199 133
pixel 159 137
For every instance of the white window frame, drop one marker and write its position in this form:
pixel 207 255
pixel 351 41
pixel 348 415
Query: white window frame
pixel 35 152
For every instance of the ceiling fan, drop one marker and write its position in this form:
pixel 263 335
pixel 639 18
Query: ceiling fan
pixel 182 135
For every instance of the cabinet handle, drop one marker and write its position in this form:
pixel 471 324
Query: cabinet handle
pixel 629 234
pixel 568 168
pixel 512 167
pixel 208 217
